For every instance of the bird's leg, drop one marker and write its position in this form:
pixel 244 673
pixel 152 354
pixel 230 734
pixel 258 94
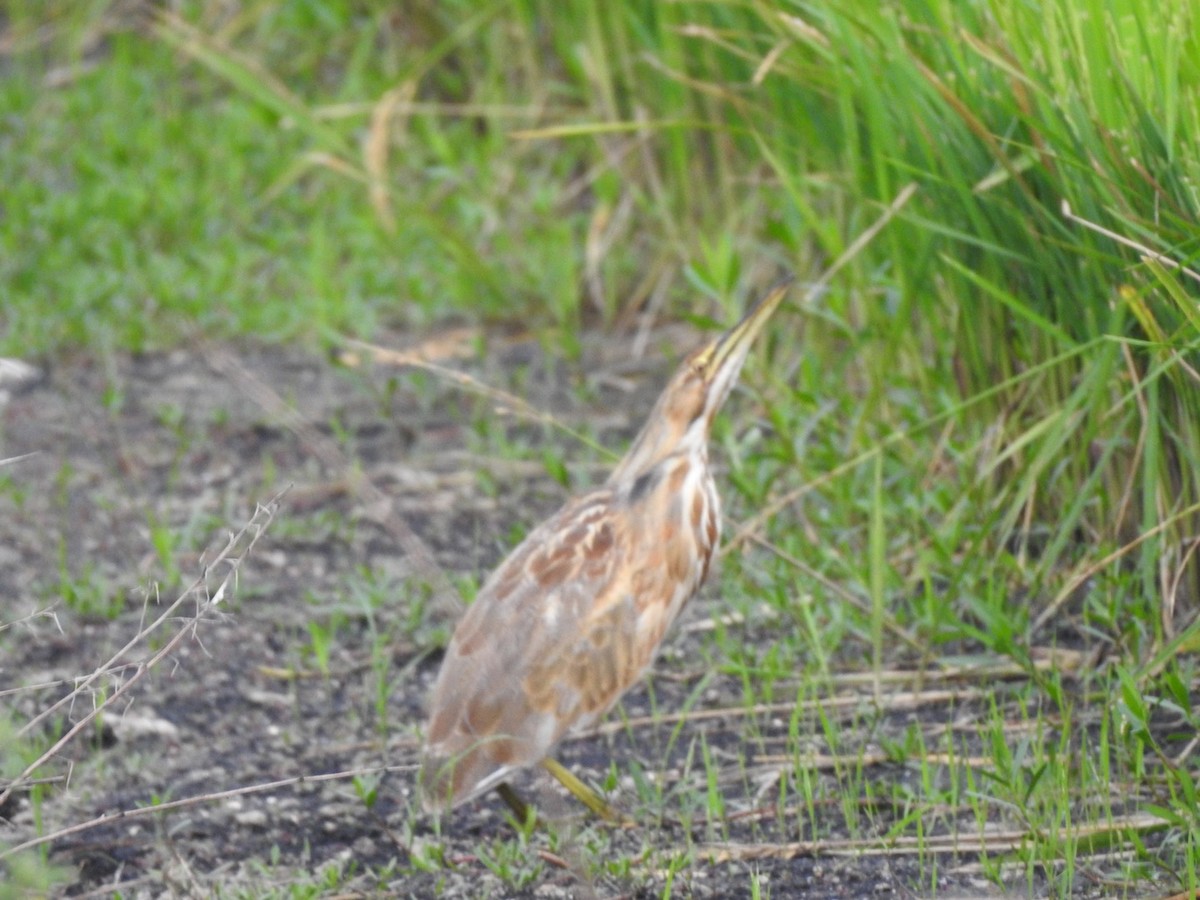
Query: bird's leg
pixel 583 793
pixel 519 807
pixel 522 811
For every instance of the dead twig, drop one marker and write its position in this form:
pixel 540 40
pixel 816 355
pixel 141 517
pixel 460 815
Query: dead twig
pixel 142 811
pixel 900 700
pixel 952 844
pixel 332 458
pixel 235 551
pixel 1142 249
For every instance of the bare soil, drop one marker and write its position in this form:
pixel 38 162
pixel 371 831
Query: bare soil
pixel 179 447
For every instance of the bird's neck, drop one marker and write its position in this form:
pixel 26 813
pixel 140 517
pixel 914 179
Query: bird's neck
pixel 662 439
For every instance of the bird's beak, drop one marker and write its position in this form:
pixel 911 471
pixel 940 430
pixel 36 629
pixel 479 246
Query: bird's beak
pixel 734 343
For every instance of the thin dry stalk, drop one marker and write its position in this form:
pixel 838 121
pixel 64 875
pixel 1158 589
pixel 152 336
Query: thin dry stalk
pixel 9 460
pixel 1099 565
pixel 896 701
pixel 889 621
pixel 506 402
pixel 1145 251
pixel 44 613
pixel 953 844
pixel 332 458
pixel 830 762
pixel 235 551
pixel 143 811
pixel 752 525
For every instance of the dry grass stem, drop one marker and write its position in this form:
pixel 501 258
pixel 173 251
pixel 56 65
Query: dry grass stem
pixel 232 555
pixel 896 701
pixel 332 458
pixel 1145 251
pixel 952 844
pixel 200 799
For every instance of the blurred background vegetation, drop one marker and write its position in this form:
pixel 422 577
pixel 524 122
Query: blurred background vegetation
pixel 324 167
pixel 997 395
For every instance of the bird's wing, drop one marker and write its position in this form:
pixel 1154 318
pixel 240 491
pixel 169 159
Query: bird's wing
pixel 551 640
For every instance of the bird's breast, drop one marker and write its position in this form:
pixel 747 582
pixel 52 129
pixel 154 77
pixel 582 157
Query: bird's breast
pixel 676 514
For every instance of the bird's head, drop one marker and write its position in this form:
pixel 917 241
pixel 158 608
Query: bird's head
pixel 696 391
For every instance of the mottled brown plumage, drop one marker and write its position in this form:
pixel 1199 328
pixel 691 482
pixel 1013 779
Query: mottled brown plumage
pixel 575 614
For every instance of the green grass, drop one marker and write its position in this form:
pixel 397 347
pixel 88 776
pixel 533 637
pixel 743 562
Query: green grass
pixel 990 414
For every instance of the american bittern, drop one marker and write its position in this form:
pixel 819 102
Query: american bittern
pixel 575 614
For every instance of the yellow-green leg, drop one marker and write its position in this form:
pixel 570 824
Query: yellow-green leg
pixel 581 792
pixel 520 809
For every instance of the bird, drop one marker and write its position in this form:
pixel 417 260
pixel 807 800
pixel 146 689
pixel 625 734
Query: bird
pixel 575 614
